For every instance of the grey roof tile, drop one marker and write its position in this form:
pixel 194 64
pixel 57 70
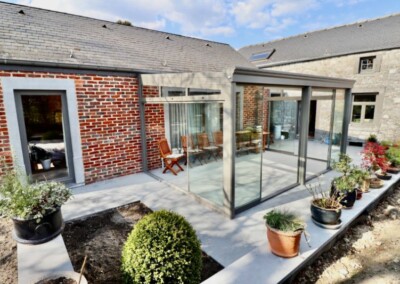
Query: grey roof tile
pixel 48 36
pixel 370 35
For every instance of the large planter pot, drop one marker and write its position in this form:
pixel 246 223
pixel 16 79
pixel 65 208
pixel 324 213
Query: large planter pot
pixel 324 215
pixel 29 231
pixel 284 244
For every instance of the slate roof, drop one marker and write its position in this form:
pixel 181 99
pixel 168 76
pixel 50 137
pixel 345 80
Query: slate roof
pixel 43 37
pixel 370 35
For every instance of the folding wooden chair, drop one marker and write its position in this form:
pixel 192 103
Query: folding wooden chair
pixel 204 144
pixel 189 151
pixel 168 157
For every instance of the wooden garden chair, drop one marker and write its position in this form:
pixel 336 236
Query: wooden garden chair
pixel 189 151
pixel 205 145
pixel 168 157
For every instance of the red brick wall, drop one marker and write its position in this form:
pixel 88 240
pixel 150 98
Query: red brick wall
pixel 109 120
pixel 255 111
pixel 5 149
pixel 155 130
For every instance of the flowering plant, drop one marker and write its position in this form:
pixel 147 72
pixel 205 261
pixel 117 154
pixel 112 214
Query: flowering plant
pixel 19 199
pixel 373 157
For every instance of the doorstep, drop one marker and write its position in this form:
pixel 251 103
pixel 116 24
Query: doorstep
pixel 260 266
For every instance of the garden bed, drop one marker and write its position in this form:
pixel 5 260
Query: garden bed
pixel 101 237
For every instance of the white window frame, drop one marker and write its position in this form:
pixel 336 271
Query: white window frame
pixel 363 108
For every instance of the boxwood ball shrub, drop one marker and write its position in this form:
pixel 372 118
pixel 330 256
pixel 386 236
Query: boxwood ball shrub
pixel 162 248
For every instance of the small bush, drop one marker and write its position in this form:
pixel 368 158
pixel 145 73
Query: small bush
pixel 162 248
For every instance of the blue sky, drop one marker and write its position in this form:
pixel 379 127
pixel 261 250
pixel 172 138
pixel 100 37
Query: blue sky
pixel 238 23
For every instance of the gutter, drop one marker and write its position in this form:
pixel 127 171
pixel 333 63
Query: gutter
pixel 31 63
pixel 282 63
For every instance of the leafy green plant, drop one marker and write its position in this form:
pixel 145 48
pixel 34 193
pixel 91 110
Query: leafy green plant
pixel 344 184
pixel 360 175
pixel 284 221
pixel 343 165
pixel 19 199
pixel 372 138
pixel 393 155
pixel 162 248
pixel 322 198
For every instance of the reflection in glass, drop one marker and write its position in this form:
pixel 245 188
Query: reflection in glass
pixel 356 116
pixel 369 113
pixel 44 129
pixel 338 117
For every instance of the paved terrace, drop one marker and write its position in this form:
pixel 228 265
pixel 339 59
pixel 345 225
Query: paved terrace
pixel 240 245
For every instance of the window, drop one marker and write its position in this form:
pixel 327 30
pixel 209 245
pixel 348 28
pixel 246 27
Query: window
pixel 363 108
pixel 262 55
pixel 366 64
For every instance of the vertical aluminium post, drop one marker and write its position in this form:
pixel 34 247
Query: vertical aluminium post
pixel 304 121
pixel 142 126
pixel 346 120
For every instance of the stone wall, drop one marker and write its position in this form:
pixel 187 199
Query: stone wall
pixel 385 80
pixel 109 120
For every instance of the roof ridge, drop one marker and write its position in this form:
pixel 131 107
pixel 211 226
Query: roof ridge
pixel 108 21
pixel 323 30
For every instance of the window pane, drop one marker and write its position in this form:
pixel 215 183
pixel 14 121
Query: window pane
pixel 369 113
pixel 173 92
pixel 364 98
pixel 356 114
pixel 203 92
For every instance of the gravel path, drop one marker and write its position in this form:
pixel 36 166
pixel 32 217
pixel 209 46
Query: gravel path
pixel 368 253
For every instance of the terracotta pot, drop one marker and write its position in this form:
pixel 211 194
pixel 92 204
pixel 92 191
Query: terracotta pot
pixel 284 244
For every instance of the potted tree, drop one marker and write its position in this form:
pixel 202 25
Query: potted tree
pixel 373 158
pixel 284 231
pixel 325 208
pixel 35 209
pixel 362 177
pixel 393 155
pixel 343 188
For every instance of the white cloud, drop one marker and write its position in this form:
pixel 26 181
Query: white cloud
pixel 207 17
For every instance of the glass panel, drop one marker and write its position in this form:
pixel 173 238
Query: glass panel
pixel 369 113
pixel 43 119
pixel 173 92
pixel 364 98
pixel 338 117
pixel 319 139
pixel 204 151
pixel 356 117
pixel 203 92
pixel 249 146
pixel 283 144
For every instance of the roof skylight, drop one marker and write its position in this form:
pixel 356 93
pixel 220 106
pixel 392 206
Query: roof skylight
pixel 262 55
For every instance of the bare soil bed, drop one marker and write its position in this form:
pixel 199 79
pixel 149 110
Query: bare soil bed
pixel 102 236
pixel 8 253
pixel 368 253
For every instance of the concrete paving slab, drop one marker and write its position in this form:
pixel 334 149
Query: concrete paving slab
pixel 260 266
pixel 40 260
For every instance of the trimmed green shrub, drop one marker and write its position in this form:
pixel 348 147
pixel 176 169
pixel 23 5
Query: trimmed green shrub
pixel 162 248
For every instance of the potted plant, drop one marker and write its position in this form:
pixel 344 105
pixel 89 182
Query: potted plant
pixel 362 178
pixel 325 208
pixel 343 188
pixel 393 155
pixel 373 158
pixel 284 231
pixel 35 209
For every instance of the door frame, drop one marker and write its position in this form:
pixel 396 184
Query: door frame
pixel 65 125
pixel 13 85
